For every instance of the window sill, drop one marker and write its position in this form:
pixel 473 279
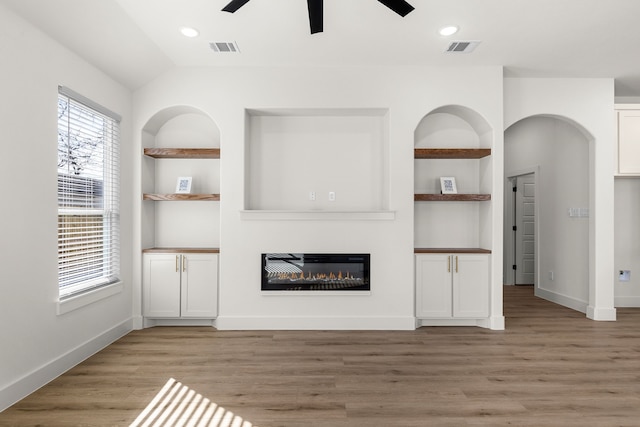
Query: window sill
pixel 73 303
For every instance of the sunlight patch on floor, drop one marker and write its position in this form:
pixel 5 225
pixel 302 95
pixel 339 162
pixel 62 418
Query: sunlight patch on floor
pixel 177 405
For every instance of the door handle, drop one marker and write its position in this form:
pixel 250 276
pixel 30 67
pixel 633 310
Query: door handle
pixel 177 268
pixel 456 263
pixel 449 264
pixel 184 263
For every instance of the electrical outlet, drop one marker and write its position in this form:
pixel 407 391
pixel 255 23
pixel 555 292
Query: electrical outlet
pixel 332 196
pixel 551 276
pixel 624 275
pixel 312 196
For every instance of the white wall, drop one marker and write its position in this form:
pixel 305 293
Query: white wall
pixel 291 155
pixel 37 344
pixel 589 104
pixel 627 241
pixel 408 94
pixel 560 153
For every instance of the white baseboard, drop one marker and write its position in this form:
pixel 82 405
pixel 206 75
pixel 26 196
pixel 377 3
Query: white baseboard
pixel 150 323
pixel 494 323
pixel 138 322
pixel 593 313
pixel 562 300
pixel 41 376
pixel 601 314
pixel 627 301
pixel 314 323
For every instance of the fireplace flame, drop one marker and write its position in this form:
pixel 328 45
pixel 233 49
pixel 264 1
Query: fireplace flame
pixel 320 276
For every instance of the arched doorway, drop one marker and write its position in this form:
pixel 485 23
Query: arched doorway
pixel 555 152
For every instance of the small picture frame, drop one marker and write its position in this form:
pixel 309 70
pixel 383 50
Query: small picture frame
pixel 448 185
pixel 183 186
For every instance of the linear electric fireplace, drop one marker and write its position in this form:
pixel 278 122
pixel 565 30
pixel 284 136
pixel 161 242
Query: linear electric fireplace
pixel 315 272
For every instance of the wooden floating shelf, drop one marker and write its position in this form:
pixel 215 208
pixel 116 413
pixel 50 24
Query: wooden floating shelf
pixel 179 197
pixel 451 197
pixel 451 153
pixel 183 153
pixel 451 251
pixel 181 250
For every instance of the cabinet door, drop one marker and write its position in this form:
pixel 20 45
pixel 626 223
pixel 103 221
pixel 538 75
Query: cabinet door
pixel 470 285
pixel 200 285
pixel 433 286
pixel 629 142
pixel 161 285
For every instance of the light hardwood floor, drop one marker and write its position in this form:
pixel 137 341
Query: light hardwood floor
pixel 550 367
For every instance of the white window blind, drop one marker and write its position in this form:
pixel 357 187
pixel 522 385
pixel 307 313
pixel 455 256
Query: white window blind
pixel 88 194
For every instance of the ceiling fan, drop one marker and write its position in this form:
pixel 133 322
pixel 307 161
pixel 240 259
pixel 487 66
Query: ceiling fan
pixel 401 7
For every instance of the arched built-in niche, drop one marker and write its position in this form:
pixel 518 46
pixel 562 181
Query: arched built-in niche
pixel 185 143
pixel 556 150
pixel 458 141
pixel 452 231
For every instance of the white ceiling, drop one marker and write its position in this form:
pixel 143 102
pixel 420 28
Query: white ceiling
pixel 136 40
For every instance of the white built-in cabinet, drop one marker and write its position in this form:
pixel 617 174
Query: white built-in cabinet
pixel 452 232
pixel 452 286
pixel 628 136
pixel 180 284
pixel 180 232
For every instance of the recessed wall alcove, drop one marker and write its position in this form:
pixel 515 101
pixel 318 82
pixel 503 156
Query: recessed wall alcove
pixel 181 134
pixel 315 161
pixel 447 142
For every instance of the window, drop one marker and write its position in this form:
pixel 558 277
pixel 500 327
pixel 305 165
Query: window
pixel 88 195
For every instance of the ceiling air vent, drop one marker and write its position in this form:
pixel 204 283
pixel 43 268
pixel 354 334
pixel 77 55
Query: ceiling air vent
pixel 224 47
pixel 462 46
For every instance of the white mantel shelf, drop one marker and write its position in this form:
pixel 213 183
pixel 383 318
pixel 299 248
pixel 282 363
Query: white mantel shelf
pixel 287 215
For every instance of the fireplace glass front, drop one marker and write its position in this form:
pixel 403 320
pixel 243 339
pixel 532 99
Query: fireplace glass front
pixel 315 272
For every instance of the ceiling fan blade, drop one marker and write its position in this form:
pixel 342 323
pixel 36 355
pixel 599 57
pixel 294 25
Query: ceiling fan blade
pixel 315 15
pixel 234 5
pixel 400 7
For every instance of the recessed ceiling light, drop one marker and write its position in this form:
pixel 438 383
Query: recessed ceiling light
pixel 449 30
pixel 189 32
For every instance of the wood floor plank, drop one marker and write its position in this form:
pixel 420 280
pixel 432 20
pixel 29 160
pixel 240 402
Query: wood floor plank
pixel 551 366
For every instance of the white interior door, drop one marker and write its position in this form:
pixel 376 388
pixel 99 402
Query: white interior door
pixel 525 220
